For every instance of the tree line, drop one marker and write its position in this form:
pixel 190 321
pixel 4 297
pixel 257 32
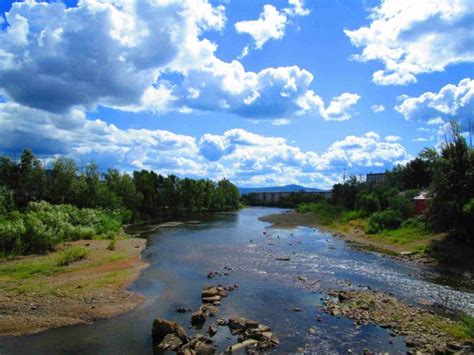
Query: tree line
pixel 143 194
pixel 40 207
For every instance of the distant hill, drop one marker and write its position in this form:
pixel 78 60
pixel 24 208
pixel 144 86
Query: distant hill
pixel 286 188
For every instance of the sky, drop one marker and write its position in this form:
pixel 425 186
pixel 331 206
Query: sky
pixel 260 92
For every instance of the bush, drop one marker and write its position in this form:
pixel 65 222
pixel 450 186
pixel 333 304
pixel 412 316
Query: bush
pixel 468 208
pixel 43 225
pixel 325 212
pixel 348 216
pixel 111 245
pixel 379 221
pixel 401 204
pixel 367 202
pixel 71 255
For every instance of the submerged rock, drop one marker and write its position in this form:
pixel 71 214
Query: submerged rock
pixel 198 318
pixel 212 330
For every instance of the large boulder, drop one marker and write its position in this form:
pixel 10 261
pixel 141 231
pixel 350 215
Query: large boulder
pixel 163 327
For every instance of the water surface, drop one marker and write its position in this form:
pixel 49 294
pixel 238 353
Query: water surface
pixel 181 257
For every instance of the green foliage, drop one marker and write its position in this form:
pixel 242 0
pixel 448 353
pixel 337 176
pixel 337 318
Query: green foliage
pixel 401 204
pixel 86 206
pixel 379 221
pixel 43 225
pixel 453 187
pixel 111 245
pixel 344 195
pixel 7 202
pixel 468 209
pixel 367 202
pixel 73 254
pixel 467 326
pixel 324 211
pixel 347 216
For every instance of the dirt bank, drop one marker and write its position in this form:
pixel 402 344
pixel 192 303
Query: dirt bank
pixel 37 294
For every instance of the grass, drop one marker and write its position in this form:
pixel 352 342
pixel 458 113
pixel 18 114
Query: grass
pixel 71 255
pixel 111 245
pixel 46 265
pixel 467 326
pixel 30 267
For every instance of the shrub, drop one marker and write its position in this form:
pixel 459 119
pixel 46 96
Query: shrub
pixel 367 202
pixel 388 219
pixel 43 225
pixel 348 216
pixel 401 204
pixel 325 212
pixel 468 208
pixel 70 255
pixel 111 245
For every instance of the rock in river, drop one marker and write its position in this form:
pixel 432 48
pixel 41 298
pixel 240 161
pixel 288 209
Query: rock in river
pixel 167 334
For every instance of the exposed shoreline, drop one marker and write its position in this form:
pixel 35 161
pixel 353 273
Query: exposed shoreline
pixel 96 288
pixel 450 257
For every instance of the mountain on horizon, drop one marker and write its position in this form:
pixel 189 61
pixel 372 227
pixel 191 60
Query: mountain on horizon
pixel 286 188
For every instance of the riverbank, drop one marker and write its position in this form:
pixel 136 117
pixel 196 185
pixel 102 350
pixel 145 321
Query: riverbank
pixel 423 330
pixel 48 291
pixel 427 248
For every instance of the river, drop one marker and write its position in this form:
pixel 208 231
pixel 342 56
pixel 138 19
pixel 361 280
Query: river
pixel 269 291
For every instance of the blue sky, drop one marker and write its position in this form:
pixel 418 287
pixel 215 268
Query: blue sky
pixel 323 86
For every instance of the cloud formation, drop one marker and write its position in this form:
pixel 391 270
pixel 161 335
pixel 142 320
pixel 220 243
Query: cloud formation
pixel 145 56
pixel 451 102
pixel 377 108
pixel 270 25
pixel 244 157
pixel 106 52
pixel 415 37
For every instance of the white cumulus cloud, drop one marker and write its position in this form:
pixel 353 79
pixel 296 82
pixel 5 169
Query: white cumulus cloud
pixel 271 24
pixel 451 102
pixel 411 37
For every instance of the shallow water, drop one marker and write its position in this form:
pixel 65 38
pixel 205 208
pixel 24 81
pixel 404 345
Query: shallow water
pixel 181 257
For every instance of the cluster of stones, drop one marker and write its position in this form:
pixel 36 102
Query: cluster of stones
pixel 418 326
pixel 169 336
pixel 211 299
pixel 252 336
pixel 213 274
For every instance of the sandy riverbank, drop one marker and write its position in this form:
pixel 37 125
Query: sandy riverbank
pixel 36 294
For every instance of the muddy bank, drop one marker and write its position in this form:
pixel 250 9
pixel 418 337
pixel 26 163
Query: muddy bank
pixel 36 294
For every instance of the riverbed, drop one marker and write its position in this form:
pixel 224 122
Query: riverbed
pixel 283 276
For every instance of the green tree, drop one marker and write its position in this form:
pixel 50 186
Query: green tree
pixel 31 184
pixel 64 173
pixel 453 186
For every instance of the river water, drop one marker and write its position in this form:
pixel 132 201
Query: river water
pixel 269 291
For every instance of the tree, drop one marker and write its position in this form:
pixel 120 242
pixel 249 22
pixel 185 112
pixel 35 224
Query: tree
pixel 453 186
pixel 6 200
pixel 31 184
pixel 63 175
pixel 344 195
